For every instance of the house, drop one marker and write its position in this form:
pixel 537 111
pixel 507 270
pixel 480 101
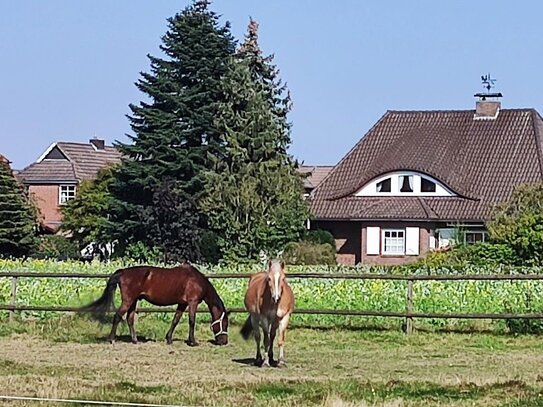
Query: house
pixel 53 179
pixel 314 175
pixel 421 179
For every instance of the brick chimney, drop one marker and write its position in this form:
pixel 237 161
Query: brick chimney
pixel 487 109
pixel 98 144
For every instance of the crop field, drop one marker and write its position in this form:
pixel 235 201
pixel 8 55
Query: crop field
pixel 68 357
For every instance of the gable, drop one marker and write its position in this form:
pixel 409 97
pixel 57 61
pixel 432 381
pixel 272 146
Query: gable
pixel 55 154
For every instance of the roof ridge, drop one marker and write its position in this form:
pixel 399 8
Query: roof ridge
pixel 513 109
pixel 350 152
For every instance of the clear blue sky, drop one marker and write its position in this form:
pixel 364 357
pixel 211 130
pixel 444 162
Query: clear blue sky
pixel 68 67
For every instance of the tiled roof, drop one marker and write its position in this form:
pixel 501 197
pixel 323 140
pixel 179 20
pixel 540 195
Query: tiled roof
pixel 316 174
pixel 481 161
pixel 83 162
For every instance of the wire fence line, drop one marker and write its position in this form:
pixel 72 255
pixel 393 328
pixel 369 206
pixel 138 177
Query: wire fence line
pixel 409 315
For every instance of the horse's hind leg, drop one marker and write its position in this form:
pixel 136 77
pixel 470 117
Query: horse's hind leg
pixel 192 323
pixel 178 314
pixel 117 318
pixel 282 334
pixel 130 321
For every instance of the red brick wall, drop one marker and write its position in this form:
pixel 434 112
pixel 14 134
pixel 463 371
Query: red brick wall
pixel 46 199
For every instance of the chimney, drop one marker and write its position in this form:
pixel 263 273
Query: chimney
pixel 98 144
pixel 487 109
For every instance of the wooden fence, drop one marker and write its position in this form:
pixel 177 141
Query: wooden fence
pixel 408 314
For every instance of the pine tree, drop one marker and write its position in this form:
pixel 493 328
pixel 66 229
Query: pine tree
pixel 175 132
pixel 255 195
pixel 17 216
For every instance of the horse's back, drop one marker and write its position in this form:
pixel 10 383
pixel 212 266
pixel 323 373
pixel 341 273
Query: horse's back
pixel 164 286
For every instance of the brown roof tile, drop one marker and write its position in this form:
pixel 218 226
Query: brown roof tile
pixel 83 162
pixel 316 174
pixel 480 160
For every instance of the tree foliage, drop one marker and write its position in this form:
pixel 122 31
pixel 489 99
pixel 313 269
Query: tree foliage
pixel 254 197
pixel 518 223
pixel 17 216
pixel 174 132
pixel 86 218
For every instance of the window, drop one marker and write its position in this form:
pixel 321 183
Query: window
pixel 406 183
pixel 393 241
pixel 426 185
pixel 474 236
pixel 66 193
pixel 385 185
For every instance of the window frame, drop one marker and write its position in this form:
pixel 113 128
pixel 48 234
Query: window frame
pixel 384 239
pixel 71 192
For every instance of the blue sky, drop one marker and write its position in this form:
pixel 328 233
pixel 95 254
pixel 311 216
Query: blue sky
pixel 68 67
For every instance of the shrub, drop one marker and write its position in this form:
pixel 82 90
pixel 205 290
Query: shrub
pixel 56 247
pixel 209 247
pixel 321 237
pixel 305 253
pixel 141 253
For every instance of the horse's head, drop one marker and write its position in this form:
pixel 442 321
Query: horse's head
pixel 276 278
pixel 220 328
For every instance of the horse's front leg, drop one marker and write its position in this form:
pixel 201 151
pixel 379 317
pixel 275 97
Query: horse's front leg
pixel 178 314
pixel 266 331
pixel 192 323
pixel 282 336
pixel 131 316
pixel 273 331
pixel 255 323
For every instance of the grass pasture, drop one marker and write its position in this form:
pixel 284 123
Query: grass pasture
pixel 67 357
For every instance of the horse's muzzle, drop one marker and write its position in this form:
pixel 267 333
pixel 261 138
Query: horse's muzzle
pixel 221 340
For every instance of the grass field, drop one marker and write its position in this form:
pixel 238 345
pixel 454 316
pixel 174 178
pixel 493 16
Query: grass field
pixel 68 358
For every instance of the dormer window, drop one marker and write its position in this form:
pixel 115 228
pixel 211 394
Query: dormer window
pixel 385 185
pixel 405 183
pixel 427 185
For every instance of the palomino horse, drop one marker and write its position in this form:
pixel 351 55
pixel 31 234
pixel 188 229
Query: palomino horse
pixel 183 285
pixel 270 301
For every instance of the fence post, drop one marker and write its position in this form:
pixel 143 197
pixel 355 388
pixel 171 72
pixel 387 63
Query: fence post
pixel 13 300
pixel 409 308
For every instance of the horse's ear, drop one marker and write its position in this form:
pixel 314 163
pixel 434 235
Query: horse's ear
pixel 283 264
pixel 269 263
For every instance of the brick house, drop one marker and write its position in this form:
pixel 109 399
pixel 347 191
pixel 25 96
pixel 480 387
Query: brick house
pixel 419 179
pixel 52 180
pixel 314 175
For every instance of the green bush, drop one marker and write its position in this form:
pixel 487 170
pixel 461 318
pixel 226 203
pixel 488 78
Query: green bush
pixel 321 237
pixel 56 247
pixel 209 247
pixel 141 253
pixel 309 253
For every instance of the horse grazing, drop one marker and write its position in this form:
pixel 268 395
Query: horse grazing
pixel 183 285
pixel 270 301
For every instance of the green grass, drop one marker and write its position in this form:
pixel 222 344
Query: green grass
pixel 68 357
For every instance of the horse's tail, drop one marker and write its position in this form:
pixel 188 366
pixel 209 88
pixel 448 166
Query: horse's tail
pixel 247 328
pixel 103 304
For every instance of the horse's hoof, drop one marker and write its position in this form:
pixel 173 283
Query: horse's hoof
pixel 258 362
pixel 169 341
pixel 134 342
pixel 281 363
pixel 265 364
pixel 111 340
pixel 192 344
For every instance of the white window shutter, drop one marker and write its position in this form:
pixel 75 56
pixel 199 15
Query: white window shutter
pixel 411 241
pixel 432 240
pixel 373 239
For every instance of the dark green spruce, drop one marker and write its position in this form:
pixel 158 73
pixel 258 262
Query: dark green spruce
pixel 17 216
pixel 174 136
pixel 254 199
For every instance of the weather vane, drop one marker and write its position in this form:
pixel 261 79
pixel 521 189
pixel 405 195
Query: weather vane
pixel 488 83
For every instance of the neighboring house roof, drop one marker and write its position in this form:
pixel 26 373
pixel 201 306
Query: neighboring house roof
pixel 70 162
pixel 316 173
pixel 481 161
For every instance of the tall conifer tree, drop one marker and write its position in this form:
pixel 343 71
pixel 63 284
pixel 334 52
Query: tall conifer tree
pixel 254 195
pixel 174 131
pixel 17 216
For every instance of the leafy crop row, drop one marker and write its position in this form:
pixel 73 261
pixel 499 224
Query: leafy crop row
pixel 382 295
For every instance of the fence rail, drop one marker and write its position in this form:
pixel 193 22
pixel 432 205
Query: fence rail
pixel 408 314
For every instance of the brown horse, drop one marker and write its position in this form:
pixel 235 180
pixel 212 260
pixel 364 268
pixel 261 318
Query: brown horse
pixel 270 301
pixel 183 285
